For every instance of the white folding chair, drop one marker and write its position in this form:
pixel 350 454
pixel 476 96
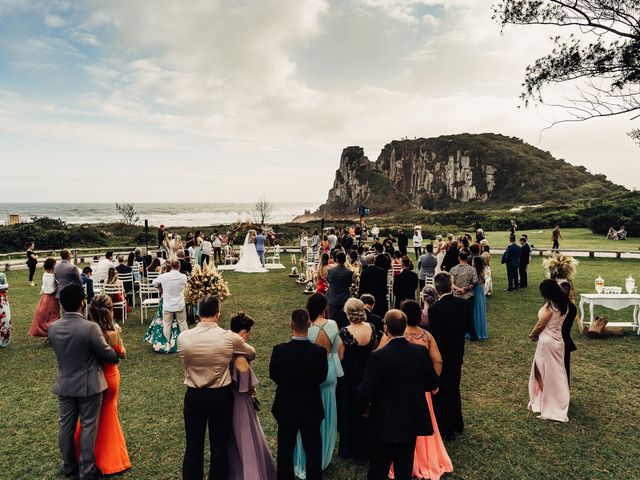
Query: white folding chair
pixel 122 305
pixel 149 298
pixel 229 257
pixel 127 278
pixel 275 256
pixel 390 299
pixel 151 276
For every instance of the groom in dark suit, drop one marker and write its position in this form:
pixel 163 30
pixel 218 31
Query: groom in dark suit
pixel 80 349
pixel 298 368
pixel 392 393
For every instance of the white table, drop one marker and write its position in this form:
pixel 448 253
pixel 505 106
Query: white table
pixel 613 302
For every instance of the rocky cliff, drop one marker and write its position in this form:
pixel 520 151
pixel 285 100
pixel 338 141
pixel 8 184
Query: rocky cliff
pixel 456 169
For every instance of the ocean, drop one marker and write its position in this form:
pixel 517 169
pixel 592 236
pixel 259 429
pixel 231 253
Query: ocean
pixel 170 214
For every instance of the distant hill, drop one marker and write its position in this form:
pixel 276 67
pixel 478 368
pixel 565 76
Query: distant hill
pixel 486 169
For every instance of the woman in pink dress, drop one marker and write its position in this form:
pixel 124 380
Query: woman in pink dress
pixel 430 458
pixel 548 384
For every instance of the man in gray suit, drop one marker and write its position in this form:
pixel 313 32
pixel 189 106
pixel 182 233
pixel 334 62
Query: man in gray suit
pixel 66 272
pixel 339 278
pixel 80 349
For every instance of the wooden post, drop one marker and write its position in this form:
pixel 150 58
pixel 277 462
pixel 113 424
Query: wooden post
pixel 75 256
pixel 592 254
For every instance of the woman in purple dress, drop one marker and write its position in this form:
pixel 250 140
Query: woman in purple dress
pixel 249 454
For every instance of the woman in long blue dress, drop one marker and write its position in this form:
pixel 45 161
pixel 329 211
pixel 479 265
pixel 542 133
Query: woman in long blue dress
pixel 480 301
pixel 325 333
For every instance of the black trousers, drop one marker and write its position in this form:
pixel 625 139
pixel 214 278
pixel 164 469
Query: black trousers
pixel 418 251
pixel 567 365
pixel 312 443
pixel 523 269
pixel 384 454
pixel 217 254
pixel 556 244
pixel 512 277
pixel 204 258
pixel 447 403
pixel 212 407
pixel 32 269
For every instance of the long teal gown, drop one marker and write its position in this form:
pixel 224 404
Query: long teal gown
pixel 480 311
pixel 329 426
pixel 155 334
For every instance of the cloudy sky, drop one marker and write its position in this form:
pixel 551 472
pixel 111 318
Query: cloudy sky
pixel 204 100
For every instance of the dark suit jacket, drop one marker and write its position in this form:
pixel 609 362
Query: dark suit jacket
pixel 511 255
pixel 525 254
pixel 80 349
pixel 450 259
pixel 394 384
pixel 403 241
pixel 405 285
pixel 450 319
pixel 347 243
pixel 298 368
pixel 185 266
pixel 339 278
pixel 373 280
pixel 66 273
pixel 125 269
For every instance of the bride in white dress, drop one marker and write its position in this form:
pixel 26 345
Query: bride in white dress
pixel 249 261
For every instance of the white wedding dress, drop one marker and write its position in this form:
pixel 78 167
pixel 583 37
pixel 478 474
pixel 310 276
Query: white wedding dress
pixel 249 261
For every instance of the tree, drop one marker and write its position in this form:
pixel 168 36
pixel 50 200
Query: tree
pixel 128 212
pixel 262 211
pixel 603 62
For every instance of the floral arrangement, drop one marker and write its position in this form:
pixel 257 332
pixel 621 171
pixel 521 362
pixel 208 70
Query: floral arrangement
pixel 205 281
pixel 560 267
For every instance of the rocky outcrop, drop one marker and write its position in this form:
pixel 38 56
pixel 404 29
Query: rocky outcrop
pixel 431 173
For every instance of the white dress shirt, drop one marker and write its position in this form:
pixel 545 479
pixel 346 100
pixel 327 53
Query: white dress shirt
pixel 101 270
pixel 172 284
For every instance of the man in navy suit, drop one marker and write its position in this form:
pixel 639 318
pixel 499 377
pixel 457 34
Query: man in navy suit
pixel 261 240
pixel 525 258
pixel 298 368
pixel 511 258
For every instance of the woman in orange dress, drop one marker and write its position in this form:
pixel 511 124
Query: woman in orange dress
pixel 430 458
pixel 111 449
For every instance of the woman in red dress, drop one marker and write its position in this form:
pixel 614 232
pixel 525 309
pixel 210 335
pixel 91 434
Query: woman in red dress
pixel 323 269
pixel 111 449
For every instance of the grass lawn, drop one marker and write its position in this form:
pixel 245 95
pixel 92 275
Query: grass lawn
pixel 578 238
pixel 502 439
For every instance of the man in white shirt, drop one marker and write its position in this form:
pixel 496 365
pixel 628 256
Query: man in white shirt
pixel 375 232
pixel 216 243
pixel 171 286
pixel 101 270
pixel 205 251
pixel 333 240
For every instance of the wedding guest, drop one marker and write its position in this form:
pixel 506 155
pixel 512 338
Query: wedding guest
pixel 185 263
pixel 206 352
pixel 347 241
pixel 32 261
pixel 479 235
pixel 396 263
pixel 323 270
pixel 405 284
pixel 361 257
pixel 556 236
pixel 427 265
pixel 479 301
pixel 298 368
pixel 114 280
pixel 513 228
pixel 48 309
pixel 315 241
pixel 80 349
pixel 450 259
pixel 450 319
pixel 167 246
pixel 383 261
pixel 548 384
pixel 417 242
pixel 375 233
pixel 324 333
pixel 160 235
pixel 403 242
pixel 206 248
pixel 111 449
pixel 87 281
pixel 439 251
pixel 249 454
pixel 464 278
pixel 430 457
pixel 332 238
pixel 216 244
pixel 525 258
pixel 569 345
pixel 123 269
pixel 360 338
pixel 474 251
pixel 392 392
pixel 340 279
pixel 488 280
pixel 428 295
pixel 101 269
pixel 511 258
pixel 325 243
pixel 66 273
pixel 373 280
pixel 154 266
pixel 171 286
pixel 375 320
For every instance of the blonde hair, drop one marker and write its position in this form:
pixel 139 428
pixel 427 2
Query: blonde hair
pixel 101 312
pixel 354 308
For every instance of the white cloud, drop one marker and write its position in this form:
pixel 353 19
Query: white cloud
pixel 54 21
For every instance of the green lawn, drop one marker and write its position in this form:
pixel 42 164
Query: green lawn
pixel 502 439
pixel 578 238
